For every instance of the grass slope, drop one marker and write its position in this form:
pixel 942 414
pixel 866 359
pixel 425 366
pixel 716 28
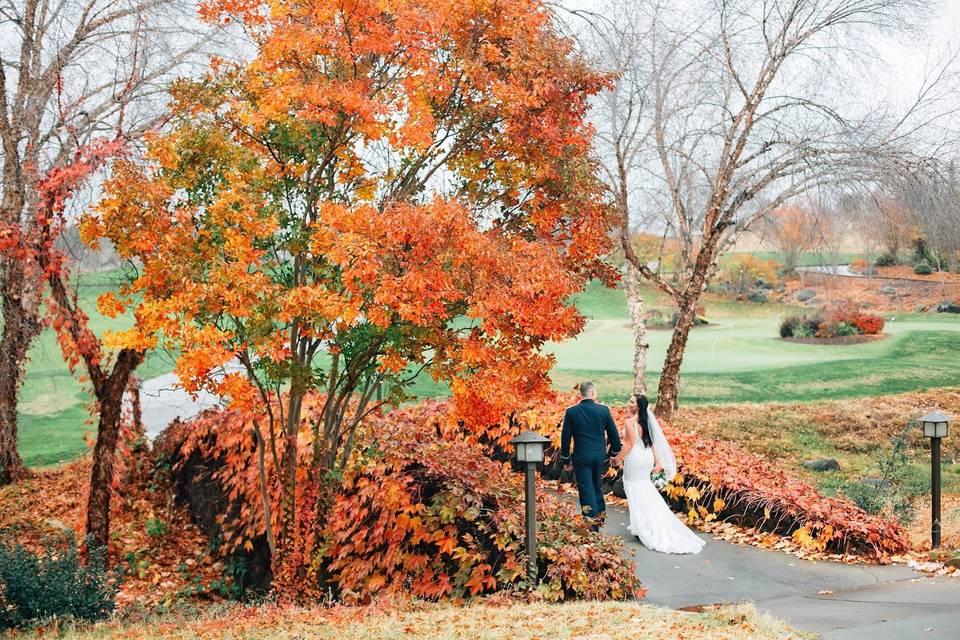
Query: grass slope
pixel 53 402
pixel 583 620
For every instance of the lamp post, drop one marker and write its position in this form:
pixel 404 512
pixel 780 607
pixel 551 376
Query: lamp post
pixel 529 446
pixel 935 427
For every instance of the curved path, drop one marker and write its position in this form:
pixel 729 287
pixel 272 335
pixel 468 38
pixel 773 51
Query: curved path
pixel 831 270
pixel 839 601
pixel 162 401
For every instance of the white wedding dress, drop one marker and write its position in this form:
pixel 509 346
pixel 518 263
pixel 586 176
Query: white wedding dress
pixel 651 520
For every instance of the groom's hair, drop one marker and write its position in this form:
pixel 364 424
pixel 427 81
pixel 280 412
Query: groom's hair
pixel 587 389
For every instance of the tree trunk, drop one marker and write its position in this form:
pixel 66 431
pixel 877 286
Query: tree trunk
pixel 109 392
pixel 288 476
pixel 668 392
pixel 639 325
pixel 20 327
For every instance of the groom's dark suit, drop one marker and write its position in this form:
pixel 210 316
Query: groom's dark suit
pixel 591 427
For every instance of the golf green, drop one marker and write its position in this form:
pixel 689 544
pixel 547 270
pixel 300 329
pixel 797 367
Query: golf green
pixel 737 358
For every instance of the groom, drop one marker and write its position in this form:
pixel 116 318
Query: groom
pixel 591 427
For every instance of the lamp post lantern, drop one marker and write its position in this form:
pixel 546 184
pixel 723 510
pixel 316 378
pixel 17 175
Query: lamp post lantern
pixel 529 447
pixel 935 426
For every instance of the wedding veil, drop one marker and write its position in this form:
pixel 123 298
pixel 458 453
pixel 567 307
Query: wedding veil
pixel 661 447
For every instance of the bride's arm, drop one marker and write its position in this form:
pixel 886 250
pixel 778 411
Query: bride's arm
pixel 627 443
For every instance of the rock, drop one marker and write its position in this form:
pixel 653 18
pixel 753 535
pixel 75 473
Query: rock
pixel 822 464
pixel 813 302
pixel 59 525
pixel 758 296
pixel 655 316
pixel 953 563
pixel 890 291
pixel 948 307
pixel 805 294
pixel 920 308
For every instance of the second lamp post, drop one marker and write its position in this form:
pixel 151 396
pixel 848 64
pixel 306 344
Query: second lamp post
pixel 935 427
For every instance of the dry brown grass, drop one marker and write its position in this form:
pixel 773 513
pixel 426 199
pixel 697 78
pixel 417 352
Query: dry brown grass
pixel 582 621
pixel 856 426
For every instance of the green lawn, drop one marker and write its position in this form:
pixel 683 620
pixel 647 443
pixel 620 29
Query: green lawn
pixel 53 403
pixel 737 358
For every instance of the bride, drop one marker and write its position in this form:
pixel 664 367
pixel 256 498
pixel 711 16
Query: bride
pixel 645 448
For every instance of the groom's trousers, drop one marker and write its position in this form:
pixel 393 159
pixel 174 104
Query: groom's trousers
pixel 588 473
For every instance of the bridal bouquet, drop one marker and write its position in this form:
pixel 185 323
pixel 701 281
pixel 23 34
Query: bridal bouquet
pixel 659 479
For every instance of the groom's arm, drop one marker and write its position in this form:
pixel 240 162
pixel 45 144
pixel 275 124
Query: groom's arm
pixel 613 437
pixel 565 435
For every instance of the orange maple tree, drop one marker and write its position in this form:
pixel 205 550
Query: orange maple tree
pixel 386 188
pixel 794 230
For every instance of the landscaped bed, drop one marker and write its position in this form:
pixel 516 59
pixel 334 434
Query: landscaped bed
pixel 837 340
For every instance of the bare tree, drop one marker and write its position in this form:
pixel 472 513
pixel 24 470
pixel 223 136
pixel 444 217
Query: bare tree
pixel 934 197
pixel 71 72
pixel 740 107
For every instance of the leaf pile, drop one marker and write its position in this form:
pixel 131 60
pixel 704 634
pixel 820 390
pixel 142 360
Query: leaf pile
pixel 492 621
pixel 161 554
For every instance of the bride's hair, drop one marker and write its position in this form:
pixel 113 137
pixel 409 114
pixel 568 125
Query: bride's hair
pixel 643 420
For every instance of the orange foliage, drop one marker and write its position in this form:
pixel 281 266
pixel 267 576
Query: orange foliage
pixel 848 313
pixel 794 230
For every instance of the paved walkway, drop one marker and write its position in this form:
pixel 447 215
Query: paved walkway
pixel 839 601
pixel 831 270
pixel 162 401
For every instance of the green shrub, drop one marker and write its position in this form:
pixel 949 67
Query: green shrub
pixel 804 330
pixel 922 268
pixel 799 326
pixel 886 260
pixel 842 329
pixel 57 583
pixel 897 487
pixel 867 497
pixel 156 528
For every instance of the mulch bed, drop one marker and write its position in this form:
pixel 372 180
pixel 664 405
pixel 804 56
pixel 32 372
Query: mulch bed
pixel 905 272
pixel 842 340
